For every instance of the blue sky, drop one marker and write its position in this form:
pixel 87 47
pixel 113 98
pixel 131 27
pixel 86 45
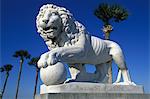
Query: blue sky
pixel 18 31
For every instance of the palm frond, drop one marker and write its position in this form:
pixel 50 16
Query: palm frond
pixel 107 12
pixel 119 13
pixel 104 13
pixel 34 61
pixel 2 69
pixel 8 67
pixel 22 54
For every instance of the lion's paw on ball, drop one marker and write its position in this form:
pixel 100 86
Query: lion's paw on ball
pixel 53 74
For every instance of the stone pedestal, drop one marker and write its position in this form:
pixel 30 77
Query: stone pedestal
pixel 92 96
pixel 78 90
pixel 82 87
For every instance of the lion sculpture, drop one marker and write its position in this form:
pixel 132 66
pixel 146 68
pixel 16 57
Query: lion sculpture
pixel 70 42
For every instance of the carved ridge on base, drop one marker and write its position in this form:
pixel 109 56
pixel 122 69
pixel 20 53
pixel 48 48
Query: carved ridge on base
pixel 80 87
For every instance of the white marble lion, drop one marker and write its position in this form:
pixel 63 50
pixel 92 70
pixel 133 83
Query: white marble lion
pixel 69 41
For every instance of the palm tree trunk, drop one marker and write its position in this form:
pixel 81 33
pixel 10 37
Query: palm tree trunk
pixel 36 81
pixel 109 63
pixel 7 75
pixel 107 34
pixel 20 71
pixel 110 72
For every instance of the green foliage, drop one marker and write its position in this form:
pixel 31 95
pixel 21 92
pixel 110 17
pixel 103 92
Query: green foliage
pixel 34 61
pixel 119 14
pixel 22 54
pixel 2 69
pixel 107 12
pixel 7 68
pixel 103 12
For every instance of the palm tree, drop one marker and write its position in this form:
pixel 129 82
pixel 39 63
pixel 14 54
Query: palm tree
pixel 33 62
pixel 22 54
pixel 6 68
pixel 110 13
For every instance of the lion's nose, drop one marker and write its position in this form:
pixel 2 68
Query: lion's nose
pixel 45 21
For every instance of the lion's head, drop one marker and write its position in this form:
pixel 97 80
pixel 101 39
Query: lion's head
pixel 57 26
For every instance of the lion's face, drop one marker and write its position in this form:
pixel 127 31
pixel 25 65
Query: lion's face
pixel 57 26
pixel 51 24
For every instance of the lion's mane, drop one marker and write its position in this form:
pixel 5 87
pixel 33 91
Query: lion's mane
pixel 71 29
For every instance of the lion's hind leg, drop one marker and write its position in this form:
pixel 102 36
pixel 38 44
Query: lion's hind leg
pixel 118 57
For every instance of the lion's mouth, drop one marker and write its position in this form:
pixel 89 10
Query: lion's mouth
pixel 50 34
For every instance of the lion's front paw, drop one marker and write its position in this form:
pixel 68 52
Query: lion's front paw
pixel 42 63
pixel 52 60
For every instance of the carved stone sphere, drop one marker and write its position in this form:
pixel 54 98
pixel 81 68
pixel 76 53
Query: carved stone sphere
pixel 53 74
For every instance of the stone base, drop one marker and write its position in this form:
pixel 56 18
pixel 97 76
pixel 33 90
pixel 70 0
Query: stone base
pixel 82 87
pixel 92 96
pixel 80 90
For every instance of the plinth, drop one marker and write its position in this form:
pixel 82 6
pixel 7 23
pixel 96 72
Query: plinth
pixel 81 90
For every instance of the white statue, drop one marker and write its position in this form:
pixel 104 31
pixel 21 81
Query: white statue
pixel 69 42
